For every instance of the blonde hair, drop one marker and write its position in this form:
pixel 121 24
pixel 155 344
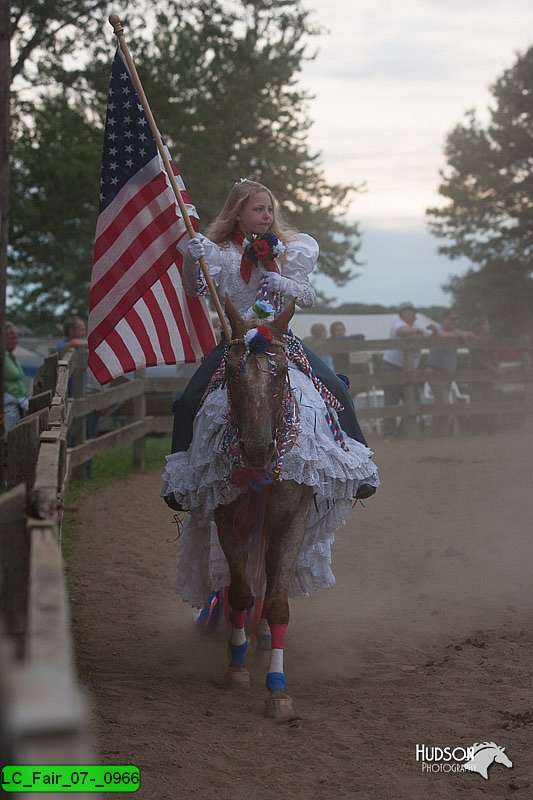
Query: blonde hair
pixel 221 229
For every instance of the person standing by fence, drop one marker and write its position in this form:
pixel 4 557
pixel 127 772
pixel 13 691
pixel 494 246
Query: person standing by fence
pixel 442 363
pixel 75 335
pixel 315 342
pixel 403 326
pixel 341 361
pixel 15 391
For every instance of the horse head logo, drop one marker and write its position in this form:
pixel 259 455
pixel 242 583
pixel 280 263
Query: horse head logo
pixel 484 755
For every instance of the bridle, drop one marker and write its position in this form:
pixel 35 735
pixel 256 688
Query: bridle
pixel 274 342
pixel 279 429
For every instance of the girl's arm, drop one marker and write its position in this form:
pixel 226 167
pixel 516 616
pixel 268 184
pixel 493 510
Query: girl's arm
pixel 300 260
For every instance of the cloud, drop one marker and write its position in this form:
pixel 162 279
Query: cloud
pixel 392 79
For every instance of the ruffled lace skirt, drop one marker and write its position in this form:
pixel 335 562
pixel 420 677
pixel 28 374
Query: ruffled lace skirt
pixel 200 480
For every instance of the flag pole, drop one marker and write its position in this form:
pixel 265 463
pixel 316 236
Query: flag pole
pixel 119 33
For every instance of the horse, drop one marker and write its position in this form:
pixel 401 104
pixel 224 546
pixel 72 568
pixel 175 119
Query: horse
pixel 485 753
pixel 256 377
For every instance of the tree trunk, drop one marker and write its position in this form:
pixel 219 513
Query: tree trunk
pixel 5 79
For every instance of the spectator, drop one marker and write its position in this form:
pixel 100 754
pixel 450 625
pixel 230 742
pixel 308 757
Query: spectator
pixel 404 325
pixel 315 342
pixel 75 335
pixel 15 391
pixel 443 363
pixel 341 361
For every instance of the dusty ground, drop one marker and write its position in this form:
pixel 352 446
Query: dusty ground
pixel 426 639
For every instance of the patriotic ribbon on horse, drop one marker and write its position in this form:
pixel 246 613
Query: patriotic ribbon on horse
pixel 139 314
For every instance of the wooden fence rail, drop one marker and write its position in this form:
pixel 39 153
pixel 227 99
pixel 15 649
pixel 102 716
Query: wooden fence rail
pixel 43 713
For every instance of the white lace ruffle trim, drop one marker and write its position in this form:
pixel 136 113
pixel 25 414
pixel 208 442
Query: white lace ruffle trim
pixel 200 481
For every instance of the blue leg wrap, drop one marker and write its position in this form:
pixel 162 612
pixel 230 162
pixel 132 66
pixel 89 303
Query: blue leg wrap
pixel 238 654
pixel 275 682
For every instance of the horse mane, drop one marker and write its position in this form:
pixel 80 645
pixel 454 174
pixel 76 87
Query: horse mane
pixel 484 745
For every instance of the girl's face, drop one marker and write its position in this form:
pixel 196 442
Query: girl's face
pixel 257 214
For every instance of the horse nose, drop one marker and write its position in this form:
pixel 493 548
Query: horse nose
pixel 256 455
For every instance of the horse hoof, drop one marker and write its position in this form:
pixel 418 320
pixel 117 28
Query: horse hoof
pixel 279 706
pixel 238 678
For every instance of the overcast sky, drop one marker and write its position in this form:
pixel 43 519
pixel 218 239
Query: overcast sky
pixel 391 79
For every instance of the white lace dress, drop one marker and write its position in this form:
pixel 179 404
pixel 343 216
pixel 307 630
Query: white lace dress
pixel 200 477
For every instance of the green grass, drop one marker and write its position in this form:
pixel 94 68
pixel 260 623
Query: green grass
pixel 116 463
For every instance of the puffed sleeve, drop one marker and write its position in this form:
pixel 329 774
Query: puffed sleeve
pixel 300 260
pixel 193 278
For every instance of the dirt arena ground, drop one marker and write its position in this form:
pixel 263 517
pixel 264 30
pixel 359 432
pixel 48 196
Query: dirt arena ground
pixel 425 639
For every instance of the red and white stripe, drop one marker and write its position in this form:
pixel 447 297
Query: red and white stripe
pixel 139 314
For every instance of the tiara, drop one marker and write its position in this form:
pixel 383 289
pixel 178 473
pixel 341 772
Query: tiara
pixel 241 180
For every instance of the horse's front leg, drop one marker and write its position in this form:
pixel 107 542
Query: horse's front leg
pixel 238 596
pixel 285 522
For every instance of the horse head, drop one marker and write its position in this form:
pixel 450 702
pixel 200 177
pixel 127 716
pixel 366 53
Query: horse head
pixel 501 758
pixel 256 378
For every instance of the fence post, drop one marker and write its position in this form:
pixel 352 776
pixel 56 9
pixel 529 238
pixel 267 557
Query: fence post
pixel 78 426
pixel 409 422
pixel 14 565
pixel 528 371
pixel 139 412
pixel 23 448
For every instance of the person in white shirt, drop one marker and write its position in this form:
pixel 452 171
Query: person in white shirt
pixel 404 325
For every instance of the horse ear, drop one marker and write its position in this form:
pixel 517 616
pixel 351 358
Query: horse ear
pixel 281 323
pixel 235 319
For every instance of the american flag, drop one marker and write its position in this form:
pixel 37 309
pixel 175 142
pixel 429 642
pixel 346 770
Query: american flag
pixel 139 314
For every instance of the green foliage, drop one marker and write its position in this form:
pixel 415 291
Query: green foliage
pixel 55 178
pixel 488 183
pixel 116 463
pixel 221 80
pixel 488 189
pixel 501 290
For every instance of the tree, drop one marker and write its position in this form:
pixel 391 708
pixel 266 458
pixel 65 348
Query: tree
pixel 49 29
pixel 488 188
pixel 502 290
pixel 222 83
pixel 488 184
pixel 55 178
pixel 5 80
